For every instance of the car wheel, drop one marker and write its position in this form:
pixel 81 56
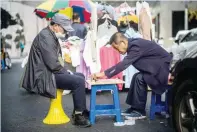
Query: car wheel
pixel 8 63
pixel 185 107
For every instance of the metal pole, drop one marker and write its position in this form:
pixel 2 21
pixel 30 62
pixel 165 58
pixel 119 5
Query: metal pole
pixel 186 16
pixel 37 27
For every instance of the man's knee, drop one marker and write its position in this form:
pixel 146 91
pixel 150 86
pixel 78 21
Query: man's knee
pixel 139 78
pixel 80 75
pixel 80 82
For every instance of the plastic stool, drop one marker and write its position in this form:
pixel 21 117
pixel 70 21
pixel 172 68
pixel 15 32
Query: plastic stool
pixel 157 105
pixel 107 109
pixel 56 113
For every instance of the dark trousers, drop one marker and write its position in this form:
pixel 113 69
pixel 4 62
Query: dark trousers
pixel 137 95
pixel 75 83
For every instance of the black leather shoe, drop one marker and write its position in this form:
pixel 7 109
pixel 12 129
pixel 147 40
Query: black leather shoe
pixel 86 113
pixel 80 120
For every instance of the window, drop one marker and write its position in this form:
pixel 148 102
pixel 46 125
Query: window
pixel 191 36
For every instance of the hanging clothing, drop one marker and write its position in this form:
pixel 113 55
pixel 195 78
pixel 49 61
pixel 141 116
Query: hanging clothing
pixel 101 9
pixel 111 11
pixel 127 18
pixel 145 19
pixel 75 43
pixel 106 28
pixel 124 7
pixel 108 58
pixel 94 18
pixel 66 55
pixel 65 51
pixel 82 68
pixel 88 52
pixel 99 44
pixel 131 33
pixel 128 73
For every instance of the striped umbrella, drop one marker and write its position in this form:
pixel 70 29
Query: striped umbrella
pixel 66 7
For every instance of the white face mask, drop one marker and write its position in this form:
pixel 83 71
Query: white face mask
pixel 60 35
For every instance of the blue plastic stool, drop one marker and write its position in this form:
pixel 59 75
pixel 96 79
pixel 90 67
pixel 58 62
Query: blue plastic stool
pixel 107 109
pixel 157 105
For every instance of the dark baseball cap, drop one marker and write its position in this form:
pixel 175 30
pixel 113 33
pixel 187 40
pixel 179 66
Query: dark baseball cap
pixel 63 21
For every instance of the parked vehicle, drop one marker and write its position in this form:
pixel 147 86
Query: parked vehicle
pixel 180 34
pixel 183 96
pixel 185 47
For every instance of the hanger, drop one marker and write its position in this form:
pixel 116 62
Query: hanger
pixel 141 1
pixel 125 2
pixel 106 16
pixel 108 23
pixel 104 3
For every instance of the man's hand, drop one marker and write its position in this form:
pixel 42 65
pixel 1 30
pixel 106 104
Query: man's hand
pixel 170 79
pixel 96 76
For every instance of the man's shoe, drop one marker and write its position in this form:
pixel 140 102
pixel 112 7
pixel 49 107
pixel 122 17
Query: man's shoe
pixel 86 113
pixel 135 115
pixel 80 120
pixel 127 112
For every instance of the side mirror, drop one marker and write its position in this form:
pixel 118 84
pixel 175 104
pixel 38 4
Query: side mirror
pixel 176 41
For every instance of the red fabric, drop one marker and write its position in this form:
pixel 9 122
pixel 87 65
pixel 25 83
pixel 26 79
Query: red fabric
pixel 87 16
pixel 41 14
pixel 110 57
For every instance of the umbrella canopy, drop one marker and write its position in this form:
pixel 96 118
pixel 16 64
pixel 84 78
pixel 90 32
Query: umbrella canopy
pixel 50 7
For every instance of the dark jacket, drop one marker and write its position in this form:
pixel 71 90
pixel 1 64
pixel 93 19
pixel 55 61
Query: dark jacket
pixel 150 59
pixel 42 64
pixel 79 30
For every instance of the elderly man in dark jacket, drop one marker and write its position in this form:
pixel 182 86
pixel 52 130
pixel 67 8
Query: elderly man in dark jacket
pixel 45 70
pixel 151 60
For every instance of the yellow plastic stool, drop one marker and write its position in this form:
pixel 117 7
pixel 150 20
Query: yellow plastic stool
pixel 56 113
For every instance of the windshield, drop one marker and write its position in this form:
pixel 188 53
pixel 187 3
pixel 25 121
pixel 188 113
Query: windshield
pixel 191 36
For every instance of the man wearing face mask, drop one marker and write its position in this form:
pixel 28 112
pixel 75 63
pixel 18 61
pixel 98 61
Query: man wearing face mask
pixel 153 64
pixel 45 70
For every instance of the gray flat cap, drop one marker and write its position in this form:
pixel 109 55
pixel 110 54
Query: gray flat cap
pixel 63 21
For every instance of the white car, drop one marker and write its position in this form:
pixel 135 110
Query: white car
pixel 185 47
pixel 180 35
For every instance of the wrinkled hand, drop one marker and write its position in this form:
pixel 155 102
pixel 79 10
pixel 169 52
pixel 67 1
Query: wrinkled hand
pixel 93 77
pixel 96 76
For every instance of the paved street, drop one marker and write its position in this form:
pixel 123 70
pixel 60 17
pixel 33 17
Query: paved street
pixel 24 112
